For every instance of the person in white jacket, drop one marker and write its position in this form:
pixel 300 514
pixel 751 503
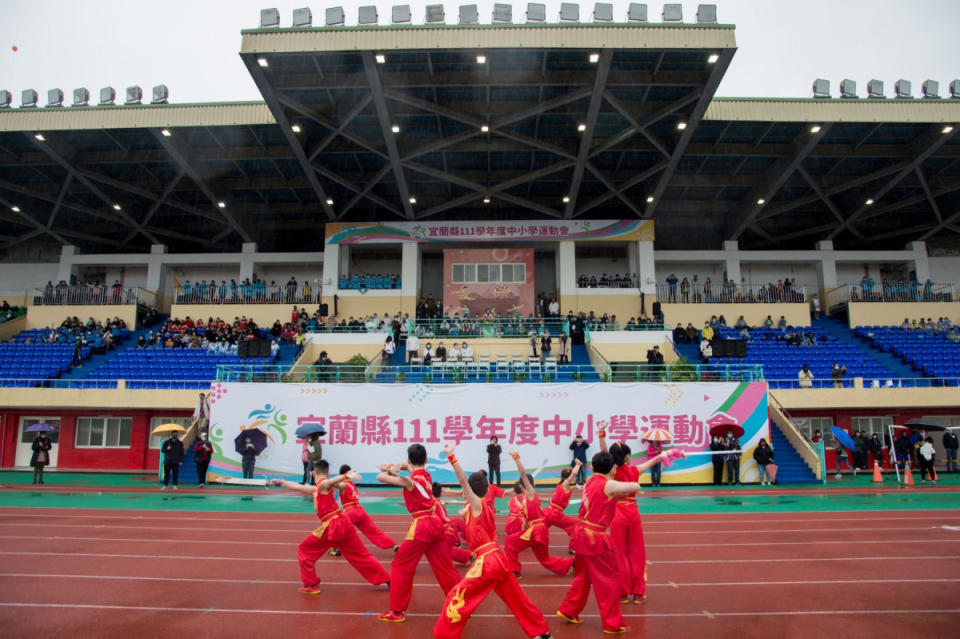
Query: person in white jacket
pixel 806 377
pixel 927 458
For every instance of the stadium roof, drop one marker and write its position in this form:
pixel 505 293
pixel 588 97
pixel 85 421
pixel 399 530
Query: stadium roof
pixel 521 115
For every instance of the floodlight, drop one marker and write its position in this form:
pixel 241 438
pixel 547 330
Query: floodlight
pixel 380 58
pixel 134 95
pixel 931 89
pixel 367 15
pixel 165 133
pixel 295 128
pixel 54 98
pixel 649 199
pixel 681 126
pixel 848 89
pixel 39 137
pixel 160 94
pixel 581 127
pixel 484 128
pixel 875 89
pixel 221 204
pixel 673 12
pixel 503 13
pixel 821 88
pixel 536 12
pixel 81 97
pixel 569 12
pixel 603 12
pixel 486 199
pixel 412 200
pixel 637 12
pixel 481 59
pixel 15 208
pixel 263 63
pixel 707 14
pixel 28 98
pixel 816 128
pixel 329 201
pixel 761 201
pixel 401 14
pixel 303 17
pixel 469 14
pixel 713 58
pixel 395 128
pixel 955 88
pixel 107 96
pixel 117 207
pixel 269 18
pixel 903 89
pixel 334 17
pixel 5 98
pixel 594 57
pixel 435 14
pixel 566 199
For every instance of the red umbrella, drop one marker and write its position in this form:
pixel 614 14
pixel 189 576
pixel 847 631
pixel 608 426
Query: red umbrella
pixel 721 430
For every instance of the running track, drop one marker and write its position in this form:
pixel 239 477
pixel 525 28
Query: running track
pixel 140 574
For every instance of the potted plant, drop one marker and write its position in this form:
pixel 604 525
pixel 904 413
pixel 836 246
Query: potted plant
pixel 355 370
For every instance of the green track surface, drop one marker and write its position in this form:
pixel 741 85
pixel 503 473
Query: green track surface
pixel 17 492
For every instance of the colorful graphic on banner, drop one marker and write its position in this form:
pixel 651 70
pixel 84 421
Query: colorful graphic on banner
pixel 539 420
pixel 518 231
pixel 506 299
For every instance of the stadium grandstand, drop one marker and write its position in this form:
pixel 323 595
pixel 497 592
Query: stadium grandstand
pixel 558 208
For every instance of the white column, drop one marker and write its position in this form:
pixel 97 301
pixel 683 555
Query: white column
pixel 66 262
pixel 247 260
pixel 155 267
pixel 331 265
pixel 731 249
pixel 921 264
pixel 567 270
pixel 827 266
pixel 409 269
pixel 646 267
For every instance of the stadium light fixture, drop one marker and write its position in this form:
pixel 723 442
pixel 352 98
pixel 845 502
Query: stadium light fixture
pixel 380 58
pixel 816 128
pixel 269 18
pixel 569 12
pixel 712 59
pixel 395 128
pixel 117 207
pixel 707 14
pixel 334 17
pixel 931 89
pixel 295 128
pixel 603 12
pixel 5 99
pixel 761 201
pixel 221 204
pixel 329 201
pixel 869 201
pixel 481 59
pixel 39 137
pixel 875 89
pixel 412 200
pixel 485 128
pixel 848 88
pixel 81 97
pixel 566 199
pixel 536 12
pixel 486 199
pixel 581 127
pixel 107 96
pixel 54 98
pixel 947 129
pixel 263 63
pixel 469 14
pixel 15 208
pixel 302 17
pixel 367 15
pixel 165 133
pixel 28 98
pixel 401 14
pixel 681 126
pixel 503 13
pixel 673 12
pixel 903 88
pixel 649 199
pixel 435 14
pixel 134 95
pixel 637 12
pixel 594 58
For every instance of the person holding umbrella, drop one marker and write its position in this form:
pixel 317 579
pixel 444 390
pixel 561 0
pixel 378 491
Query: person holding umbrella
pixel 249 456
pixel 312 450
pixel 732 458
pixel 41 454
pixel 716 444
pixel 172 450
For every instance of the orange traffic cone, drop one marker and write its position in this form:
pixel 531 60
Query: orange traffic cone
pixel 907 476
pixel 877 475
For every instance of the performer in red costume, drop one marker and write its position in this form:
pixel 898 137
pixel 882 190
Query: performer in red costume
pixel 425 537
pixel 335 531
pixel 350 501
pixel 553 516
pixel 489 570
pixel 535 536
pixel 516 518
pixel 597 560
pixel 458 553
pixel 626 529
pixel 494 492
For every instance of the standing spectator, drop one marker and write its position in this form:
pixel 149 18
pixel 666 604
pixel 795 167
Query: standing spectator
pixel 249 457
pixel 546 344
pixel 563 356
pixel 441 354
pixel 389 348
pixel 579 448
pixel 816 437
pixel 41 455
pixel 763 455
pixel 732 458
pixel 685 290
pixel 876 447
pixel 837 373
pixel 927 457
pixel 860 452
pixel 842 459
pixel 806 377
pixel 202 452
pixel 493 459
pixel 534 343
pixel 653 450
pixel 201 413
pixel 816 306
pixel 654 362
pixel 672 287
pixel 716 444
pixel 413 346
pixel 172 450
pixel 950 445
pixel 902 448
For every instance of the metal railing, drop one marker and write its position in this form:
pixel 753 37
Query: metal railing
pixel 93 295
pixel 895 292
pixel 873 382
pixel 479 327
pixel 729 293
pixel 104 384
pixel 239 293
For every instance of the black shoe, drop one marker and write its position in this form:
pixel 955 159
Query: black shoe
pixel 396 549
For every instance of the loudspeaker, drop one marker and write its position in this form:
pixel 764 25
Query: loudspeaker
pixel 243 350
pixel 324 310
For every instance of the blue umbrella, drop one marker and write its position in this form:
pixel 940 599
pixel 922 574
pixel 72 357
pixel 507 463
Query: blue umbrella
pixel 42 427
pixel 310 429
pixel 843 437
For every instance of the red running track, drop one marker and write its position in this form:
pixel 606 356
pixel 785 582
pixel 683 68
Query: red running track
pixel 144 574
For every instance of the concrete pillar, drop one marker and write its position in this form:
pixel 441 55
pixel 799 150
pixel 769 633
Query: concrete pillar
pixel 247 260
pixel 331 264
pixel 921 263
pixel 827 266
pixel 409 270
pixel 155 267
pixel 633 262
pixel 567 273
pixel 646 267
pixel 731 249
pixel 66 262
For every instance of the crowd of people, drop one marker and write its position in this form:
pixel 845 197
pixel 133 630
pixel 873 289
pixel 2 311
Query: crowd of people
pixel 943 325
pixel 692 291
pixel 369 281
pixel 606 281
pixel 219 336
pixel 8 312
pixel 93 292
pixel 249 291
pixel 898 291
pixel 910 446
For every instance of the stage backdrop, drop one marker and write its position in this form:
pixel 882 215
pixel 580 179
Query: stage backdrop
pixel 368 424
pixel 509 294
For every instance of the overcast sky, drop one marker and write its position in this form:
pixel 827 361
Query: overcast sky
pixel 192 45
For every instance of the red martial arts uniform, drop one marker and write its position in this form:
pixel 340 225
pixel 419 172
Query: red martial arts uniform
pixel 516 516
pixel 553 515
pixel 626 531
pixel 488 572
pixel 359 517
pixel 457 553
pixel 425 537
pixel 494 492
pixel 536 537
pixel 597 562
pixel 336 531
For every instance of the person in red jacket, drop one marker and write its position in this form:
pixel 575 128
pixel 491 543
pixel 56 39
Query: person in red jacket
pixel 426 535
pixel 489 571
pixel 597 559
pixel 335 531
pixel 350 500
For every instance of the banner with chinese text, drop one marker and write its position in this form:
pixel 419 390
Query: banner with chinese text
pixel 516 231
pixel 369 424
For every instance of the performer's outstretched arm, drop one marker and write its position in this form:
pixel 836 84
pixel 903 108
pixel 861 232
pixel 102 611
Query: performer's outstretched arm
pixel 475 503
pixel 388 475
pixel 527 486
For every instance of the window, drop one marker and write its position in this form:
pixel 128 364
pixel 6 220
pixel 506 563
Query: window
pixel 871 425
pixel 103 432
pixel 487 273
pixel 27 422
pixel 809 425
pixel 157 440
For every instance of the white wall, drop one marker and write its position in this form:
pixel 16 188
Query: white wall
pixel 363 266
pixel 23 277
pixel 281 273
pixel 945 270
pixel 545 274
pixel 128 276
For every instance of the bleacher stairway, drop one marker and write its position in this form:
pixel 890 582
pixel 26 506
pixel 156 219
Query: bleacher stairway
pixel 792 468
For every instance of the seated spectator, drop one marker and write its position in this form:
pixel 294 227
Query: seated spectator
pixel 782 324
pixel 768 323
pixel 706 350
pixel 741 323
pixel 428 354
pixel 806 377
pixel 679 335
pixel 466 353
pixel 454 354
pixel 707 333
pixel 691 333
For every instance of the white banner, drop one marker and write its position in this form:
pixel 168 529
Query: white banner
pixel 369 424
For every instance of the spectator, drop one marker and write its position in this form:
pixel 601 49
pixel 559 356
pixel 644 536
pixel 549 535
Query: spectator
pixel 579 448
pixel 716 445
pixel 685 290
pixel 428 355
pixel 493 459
pixel 679 335
pixel 454 354
pixel 782 324
pixel 466 353
pixel 563 355
pixel 806 377
pixel 706 350
pixel 768 323
pixel 837 373
pixel 927 459
pixel 672 287
pixel 249 458
pixel 654 361
pixel 202 452
pixel 654 449
pixel 172 450
pixel 707 333
pixel 763 455
pixel 902 449
pixel 876 447
pixel 732 458
pixel 389 348
pixel 41 455
pixel 534 344
pixel 950 445
pixel 841 453
pixel 441 354
pixel 860 450
pixel 546 344
pixel 201 413
pixel 816 437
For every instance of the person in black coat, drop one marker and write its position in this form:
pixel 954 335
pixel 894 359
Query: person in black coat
pixel 172 450
pixel 249 457
pixel 202 452
pixel 715 445
pixel 493 459
pixel 732 459
pixel 41 456
pixel 950 444
pixel 763 455
pixel 579 448
pixel 876 447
